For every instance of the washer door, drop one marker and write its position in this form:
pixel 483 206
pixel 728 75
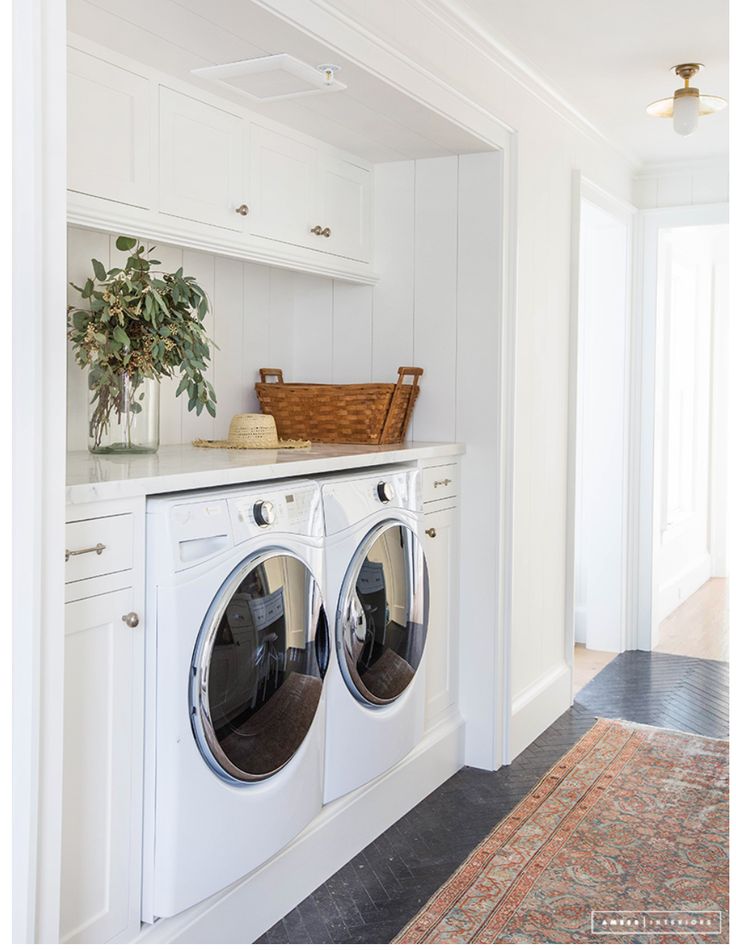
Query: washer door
pixel 258 666
pixel 382 614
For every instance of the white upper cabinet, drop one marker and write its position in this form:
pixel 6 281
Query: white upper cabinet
pixel 109 131
pixel 347 205
pixel 153 156
pixel 284 180
pixel 201 162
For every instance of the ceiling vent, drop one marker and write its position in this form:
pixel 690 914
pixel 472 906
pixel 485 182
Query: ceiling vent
pixel 269 78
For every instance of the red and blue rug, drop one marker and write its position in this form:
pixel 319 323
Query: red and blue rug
pixel 625 840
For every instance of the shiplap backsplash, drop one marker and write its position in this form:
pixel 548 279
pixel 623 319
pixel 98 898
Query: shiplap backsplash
pixel 322 330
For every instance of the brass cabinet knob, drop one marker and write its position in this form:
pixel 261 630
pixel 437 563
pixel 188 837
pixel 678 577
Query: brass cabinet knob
pixel 243 209
pixel 132 619
pixel 317 229
pixel 326 232
pixel 432 532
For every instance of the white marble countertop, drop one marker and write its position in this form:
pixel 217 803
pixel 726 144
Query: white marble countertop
pixel 183 467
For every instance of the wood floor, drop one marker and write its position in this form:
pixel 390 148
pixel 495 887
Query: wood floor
pixel 699 627
pixel 587 664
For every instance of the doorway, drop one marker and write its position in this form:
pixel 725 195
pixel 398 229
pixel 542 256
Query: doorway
pixel 689 556
pixel 600 433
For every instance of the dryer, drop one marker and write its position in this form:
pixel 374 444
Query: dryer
pixel 236 659
pixel 377 601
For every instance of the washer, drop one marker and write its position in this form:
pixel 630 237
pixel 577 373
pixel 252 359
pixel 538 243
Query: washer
pixel 236 659
pixel 377 601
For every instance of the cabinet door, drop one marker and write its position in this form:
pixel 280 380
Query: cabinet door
pixel 442 635
pixel 109 131
pixel 284 178
pixel 102 781
pixel 346 208
pixel 201 161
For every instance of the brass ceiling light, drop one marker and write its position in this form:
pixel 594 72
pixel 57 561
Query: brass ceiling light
pixel 687 103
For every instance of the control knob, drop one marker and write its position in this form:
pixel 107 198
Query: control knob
pixel 386 492
pixel 264 513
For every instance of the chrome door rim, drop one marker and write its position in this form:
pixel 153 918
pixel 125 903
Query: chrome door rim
pixel 199 710
pixel 359 690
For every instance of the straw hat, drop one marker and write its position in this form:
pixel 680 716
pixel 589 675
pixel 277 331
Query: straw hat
pixel 252 430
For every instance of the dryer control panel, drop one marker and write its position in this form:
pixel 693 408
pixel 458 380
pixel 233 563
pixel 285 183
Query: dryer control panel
pixel 350 499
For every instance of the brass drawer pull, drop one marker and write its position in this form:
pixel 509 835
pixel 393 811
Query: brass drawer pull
pixel 326 232
pixel 243 209
pixel 444 481
pixel 432 532
pixel 97 549
pixel 317 229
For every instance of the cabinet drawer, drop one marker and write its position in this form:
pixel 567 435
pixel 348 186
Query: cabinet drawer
pixel 439 481
pixel 111 537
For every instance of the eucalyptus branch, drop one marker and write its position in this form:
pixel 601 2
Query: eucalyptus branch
pixel 142 323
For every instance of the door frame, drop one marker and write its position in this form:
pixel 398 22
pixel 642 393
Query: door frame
pixel 642 470
pixel 586 190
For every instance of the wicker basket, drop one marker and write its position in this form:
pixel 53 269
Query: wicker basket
pixel 363 413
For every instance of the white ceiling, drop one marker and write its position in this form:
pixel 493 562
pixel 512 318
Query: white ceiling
pixel 370 119
pixel 610 58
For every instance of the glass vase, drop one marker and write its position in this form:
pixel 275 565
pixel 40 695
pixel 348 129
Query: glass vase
pixel 123 415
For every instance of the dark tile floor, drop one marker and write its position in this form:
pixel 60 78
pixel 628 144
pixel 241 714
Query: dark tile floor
pixel 374 895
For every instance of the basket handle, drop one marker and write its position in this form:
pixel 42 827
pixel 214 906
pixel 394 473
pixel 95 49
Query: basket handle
pixel 415 371
pixel 265 373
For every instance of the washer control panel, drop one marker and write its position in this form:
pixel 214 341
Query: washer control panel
pixel 386 492
pixel 294 509
pixel 264 513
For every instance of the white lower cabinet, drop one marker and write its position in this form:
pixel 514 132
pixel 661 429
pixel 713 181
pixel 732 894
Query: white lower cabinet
pixel 102 781
pixel 440 548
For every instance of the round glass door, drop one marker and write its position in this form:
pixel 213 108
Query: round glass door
pixel 258 667
pixel 382 614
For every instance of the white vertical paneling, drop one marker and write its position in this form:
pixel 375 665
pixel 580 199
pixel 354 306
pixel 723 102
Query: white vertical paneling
pixel 82 246
pixel 313 337
pixel 480 233
pixel 393 296
pixel 229 332
pixel 281 321
pixel 201 266
pixel 435 292
pixel 352 333
pixel 255 352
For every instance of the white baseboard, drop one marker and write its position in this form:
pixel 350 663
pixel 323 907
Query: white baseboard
pixel 242 912
pixel 539 705
pixel 675 592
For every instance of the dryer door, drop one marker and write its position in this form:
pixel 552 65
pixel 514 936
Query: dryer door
pixel 258 666
pixel 382 614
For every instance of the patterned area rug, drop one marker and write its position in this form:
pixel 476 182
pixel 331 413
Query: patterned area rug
pixel 625 840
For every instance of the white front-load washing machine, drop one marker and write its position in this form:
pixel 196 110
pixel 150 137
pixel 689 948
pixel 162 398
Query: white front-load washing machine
pixel 237 654
pixel 377 603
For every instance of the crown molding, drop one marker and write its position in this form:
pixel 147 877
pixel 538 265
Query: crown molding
pixel 463 25
pixel 682 166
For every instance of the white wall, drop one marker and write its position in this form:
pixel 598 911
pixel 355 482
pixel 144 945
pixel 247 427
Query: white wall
pixel 600 510
pixel 688 512
pixel 681 183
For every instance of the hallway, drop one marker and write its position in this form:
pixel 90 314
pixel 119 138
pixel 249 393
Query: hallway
pixel 699 626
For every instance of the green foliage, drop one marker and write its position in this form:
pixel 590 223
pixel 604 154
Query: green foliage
pixel 139 323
